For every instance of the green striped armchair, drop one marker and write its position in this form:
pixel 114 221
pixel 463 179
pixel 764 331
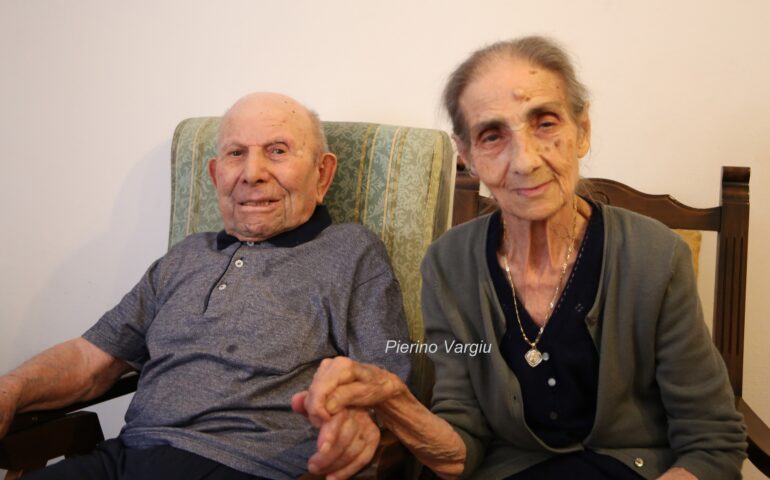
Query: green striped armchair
pixel 397 181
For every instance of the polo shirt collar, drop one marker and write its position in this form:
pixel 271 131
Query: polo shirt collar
pixel 302 234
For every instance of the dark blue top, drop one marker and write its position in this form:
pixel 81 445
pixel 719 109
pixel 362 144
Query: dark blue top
pixel 559 395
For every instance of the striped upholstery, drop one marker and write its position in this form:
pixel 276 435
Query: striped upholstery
pixel 394 180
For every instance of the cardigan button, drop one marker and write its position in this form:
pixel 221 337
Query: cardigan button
pixel 639 462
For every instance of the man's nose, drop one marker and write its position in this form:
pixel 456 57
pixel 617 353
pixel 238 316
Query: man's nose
pixel 255 168
pixel 524 155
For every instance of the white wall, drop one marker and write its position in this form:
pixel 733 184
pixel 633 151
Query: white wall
pixel 90 92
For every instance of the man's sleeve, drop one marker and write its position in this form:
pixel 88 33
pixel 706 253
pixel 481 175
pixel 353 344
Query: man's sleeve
pixel 704 428
pixel 376 314
pixel 121 331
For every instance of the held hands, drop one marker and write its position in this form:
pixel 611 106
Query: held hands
pixel 346 442
pixel 336 402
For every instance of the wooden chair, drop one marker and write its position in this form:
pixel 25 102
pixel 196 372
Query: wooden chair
pixel 731 222
pixel 394 180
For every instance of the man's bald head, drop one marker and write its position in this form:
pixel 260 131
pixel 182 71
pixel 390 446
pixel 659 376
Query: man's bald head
pixel 272 166
pixel 260 101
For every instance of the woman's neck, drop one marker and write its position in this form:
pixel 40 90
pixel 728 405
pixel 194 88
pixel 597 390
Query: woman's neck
pixel 537 254
pixel 539 245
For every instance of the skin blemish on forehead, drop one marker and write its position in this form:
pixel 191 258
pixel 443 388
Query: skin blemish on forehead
pixel 533 72
pixel 520 96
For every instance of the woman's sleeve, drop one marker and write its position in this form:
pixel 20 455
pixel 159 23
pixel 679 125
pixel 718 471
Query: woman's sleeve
pixel 704 428
pixel 454 398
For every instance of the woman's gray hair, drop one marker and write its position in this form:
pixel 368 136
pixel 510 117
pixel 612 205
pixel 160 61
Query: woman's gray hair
pixel 540 51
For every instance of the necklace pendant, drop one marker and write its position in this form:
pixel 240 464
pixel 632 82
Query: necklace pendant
pixel 533 357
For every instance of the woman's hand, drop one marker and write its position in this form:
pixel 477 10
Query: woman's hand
pixel 677 473
pixel 341 382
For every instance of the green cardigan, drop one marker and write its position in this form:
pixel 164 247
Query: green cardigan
pixel 664 397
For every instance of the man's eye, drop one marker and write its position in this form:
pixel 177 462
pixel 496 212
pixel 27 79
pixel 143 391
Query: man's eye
pixel 236 153
pixel 277 149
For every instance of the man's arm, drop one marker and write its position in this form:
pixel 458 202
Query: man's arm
pixel 71 371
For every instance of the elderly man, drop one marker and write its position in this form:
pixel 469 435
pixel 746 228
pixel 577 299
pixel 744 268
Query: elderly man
pixel 226 327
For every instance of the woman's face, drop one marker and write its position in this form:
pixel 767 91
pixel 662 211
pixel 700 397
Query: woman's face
pixel 523 142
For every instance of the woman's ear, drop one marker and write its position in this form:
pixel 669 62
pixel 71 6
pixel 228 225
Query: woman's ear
pixel 463 154
pixel 584 132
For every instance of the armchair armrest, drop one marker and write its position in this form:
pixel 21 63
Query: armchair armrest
pixel 125 385
pixel 758 436
pixel 36 437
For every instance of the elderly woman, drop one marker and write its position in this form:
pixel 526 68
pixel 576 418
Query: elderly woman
pixel 600 365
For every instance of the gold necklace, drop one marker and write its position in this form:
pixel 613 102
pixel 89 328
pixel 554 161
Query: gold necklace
pixel 533 355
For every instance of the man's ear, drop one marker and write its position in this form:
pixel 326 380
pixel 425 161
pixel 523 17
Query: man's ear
pixel 584 132
pixel 327 166
pixel 213 171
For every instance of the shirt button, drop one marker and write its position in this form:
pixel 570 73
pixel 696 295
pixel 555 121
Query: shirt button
pixel 639 462
pixel 551 382
pixel 222 286
pixel 239 263
pixel 546 356
pixel 553 415
pixel 250 244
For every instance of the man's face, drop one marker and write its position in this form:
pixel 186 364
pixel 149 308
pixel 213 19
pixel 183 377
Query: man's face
pixel 523 142
pixel 268 174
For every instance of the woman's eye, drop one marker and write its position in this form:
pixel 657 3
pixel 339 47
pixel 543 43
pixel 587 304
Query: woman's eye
pixel 547 121
pixel 490 137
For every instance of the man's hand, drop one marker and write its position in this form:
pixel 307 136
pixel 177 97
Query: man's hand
pixel 346 443
pixel 9 395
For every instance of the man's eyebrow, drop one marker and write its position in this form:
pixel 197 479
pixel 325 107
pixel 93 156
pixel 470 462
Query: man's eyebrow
pixel 227 145
pixel 275 140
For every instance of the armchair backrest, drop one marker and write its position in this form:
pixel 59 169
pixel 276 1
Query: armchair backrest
pixel 396 181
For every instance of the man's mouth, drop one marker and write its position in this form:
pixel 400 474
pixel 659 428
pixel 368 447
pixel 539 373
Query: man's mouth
pixel 252 203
